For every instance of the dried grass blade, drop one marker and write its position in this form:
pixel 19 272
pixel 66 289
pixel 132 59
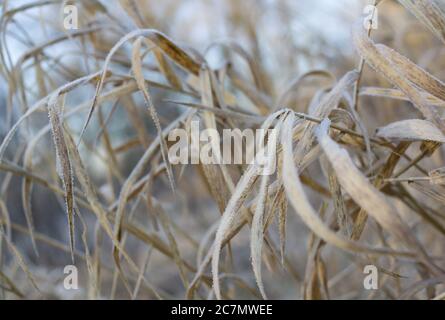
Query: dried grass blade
pixel 137 71
pixel 366 195
pixel 411 130
pixel 257 231
pixel 429 14
pixel 299 201
pixel 21 262
pixel 63 156
pixel 380 62
pixel 241 191
pixel 172 50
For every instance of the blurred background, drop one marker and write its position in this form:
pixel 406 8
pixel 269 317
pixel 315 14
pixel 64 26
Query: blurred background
pixel 286 38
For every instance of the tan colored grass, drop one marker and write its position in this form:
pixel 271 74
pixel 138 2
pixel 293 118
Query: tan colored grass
pixel 363 196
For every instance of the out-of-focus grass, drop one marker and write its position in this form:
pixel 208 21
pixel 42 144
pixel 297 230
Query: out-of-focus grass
pixel 85 178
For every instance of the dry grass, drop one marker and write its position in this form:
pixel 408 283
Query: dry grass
pixel 344 195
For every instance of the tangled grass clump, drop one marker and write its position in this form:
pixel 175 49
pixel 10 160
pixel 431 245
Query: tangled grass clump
pixel 360 176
